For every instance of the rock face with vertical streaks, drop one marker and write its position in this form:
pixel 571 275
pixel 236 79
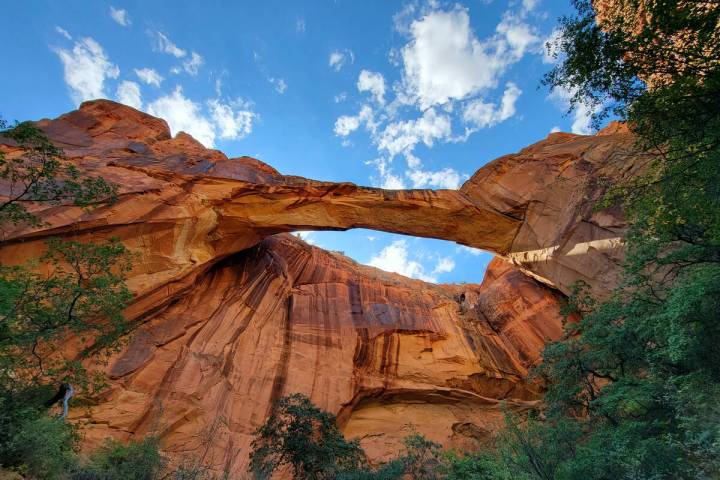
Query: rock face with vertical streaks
pixel 379 350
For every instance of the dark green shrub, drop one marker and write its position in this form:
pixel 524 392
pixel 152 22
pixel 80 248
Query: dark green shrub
pixel 140 460
pixel 42 447
pixel 305 439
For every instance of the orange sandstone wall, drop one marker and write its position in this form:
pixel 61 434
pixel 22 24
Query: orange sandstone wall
pixel 380 350
pixel 234 313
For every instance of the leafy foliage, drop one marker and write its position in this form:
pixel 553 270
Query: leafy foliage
pixel 139 460
pixel 80 289
pixel 421 457
pixel 633 388
pixel 41 447
pixel 304 438
pixel 74 288
pixel 40 174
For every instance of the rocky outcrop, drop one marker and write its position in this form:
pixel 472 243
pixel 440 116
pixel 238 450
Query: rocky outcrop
pixel 380 350
pixel 185 207
pixel 235 313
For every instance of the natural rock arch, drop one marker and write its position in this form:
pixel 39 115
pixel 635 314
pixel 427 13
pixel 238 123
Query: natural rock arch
pixel 234 316
pixel 186 206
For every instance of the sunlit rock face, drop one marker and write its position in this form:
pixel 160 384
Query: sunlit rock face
pixel 381 351
pixel 233 313
pixel 184 206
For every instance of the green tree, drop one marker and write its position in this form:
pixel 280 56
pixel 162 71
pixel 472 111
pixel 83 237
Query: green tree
pixel 138 460
pixel 421 457
pixel 80 290
pixel 634 387
pixel 73 289
pixel 38 172
pixel 305 439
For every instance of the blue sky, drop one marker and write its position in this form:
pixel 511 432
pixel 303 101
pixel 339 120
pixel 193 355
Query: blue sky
pixel 415 94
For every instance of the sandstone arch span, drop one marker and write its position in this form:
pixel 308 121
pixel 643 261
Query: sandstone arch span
pixel 185 206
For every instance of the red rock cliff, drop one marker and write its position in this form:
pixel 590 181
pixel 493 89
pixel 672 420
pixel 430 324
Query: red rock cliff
pixel 233 315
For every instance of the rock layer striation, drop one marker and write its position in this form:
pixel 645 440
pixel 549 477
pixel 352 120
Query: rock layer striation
pixel 234 313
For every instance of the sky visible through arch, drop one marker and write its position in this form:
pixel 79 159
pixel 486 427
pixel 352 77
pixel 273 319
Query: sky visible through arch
pixel 414 94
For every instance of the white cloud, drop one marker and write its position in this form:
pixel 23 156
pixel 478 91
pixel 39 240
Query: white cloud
pixel 300 25
pixel 391 181
pixel 443 64
pixel 582 119
pixel 529 5
pixel 340 97
pixel 279 84
pixel 402 136
pixel 182 114
pixel 582 113
pixel 63 32
pixel 475 252
pixel 372 82
pixel 129 94
pixel 516 35
pixel 445 61
pixel 163 44
pixel 347 124
pixel 394 258
pixel 192 64
pixel 120 16
pixel 555 129
pixel 445 178
pixel 339 58
pixel 444 265
pixel 387 179
pixel 86 69
pixel 231 124
pixel 484 115
pixel 149 76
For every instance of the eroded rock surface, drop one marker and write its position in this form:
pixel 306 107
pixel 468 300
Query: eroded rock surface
pixel 234 314
pixel 184 206
pixel 379 350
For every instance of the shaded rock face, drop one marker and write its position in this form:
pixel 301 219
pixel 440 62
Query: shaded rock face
pixel 379 350
pixel 234 313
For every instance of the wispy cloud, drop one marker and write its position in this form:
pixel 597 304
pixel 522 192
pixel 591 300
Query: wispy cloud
pixel 120 16
pixel 63 32
pixel 86 68
pixel 149 76
pixel 339 58
pixel 129 93
pixel 192 64
pixel 163 44
pixel 300 25
pixel 279 84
